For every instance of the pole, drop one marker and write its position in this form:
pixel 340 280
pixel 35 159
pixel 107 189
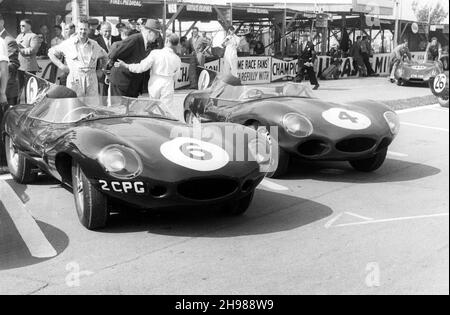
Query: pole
pixel 397 22
pixel 164 20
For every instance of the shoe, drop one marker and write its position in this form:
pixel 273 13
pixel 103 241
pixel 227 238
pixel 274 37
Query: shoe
pixel 392 80
pixel 4 170
pixel 316 87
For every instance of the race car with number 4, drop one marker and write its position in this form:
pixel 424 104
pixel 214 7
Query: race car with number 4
pixel 309 128
pixel 129 152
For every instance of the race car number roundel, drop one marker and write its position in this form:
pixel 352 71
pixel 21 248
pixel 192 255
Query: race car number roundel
pixel 439 83
pixel 195 154
pixel 347 119
pixel 32 90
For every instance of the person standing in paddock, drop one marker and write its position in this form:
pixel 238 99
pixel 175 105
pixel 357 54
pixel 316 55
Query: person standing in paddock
pixel 396 57
pixel 306 61
pixel 4 60
pixel 131 50
pixel 81 55
pixel 12 90
pixel 231 44
pixel 29 44
pixel 165 65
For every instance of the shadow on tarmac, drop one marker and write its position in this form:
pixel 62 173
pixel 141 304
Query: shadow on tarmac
pixel 14 252
pixel 391 171
pixel 269 213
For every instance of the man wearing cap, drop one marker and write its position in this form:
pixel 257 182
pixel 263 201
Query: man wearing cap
pixel 82 56
pixel 134 26
pixel 306 61
pixel 133 49
pixel 165 65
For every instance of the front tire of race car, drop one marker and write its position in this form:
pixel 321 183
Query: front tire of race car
pixel 370 164
pixel 240 206
pixel 91 205
pixel 20 167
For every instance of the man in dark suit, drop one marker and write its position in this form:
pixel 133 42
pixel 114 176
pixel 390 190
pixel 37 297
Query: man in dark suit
pixel 12 90
pixel 306 61
pixel 132 50
pixel 105 40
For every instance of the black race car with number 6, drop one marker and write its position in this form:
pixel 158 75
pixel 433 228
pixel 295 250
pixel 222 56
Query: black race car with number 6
pixel 130 151
pixel 308 128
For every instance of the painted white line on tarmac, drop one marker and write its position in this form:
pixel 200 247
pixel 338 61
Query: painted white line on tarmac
pixel 415 109
pixel 5 177
pixel 330 222
pixel 34 239
pixel 424 126
pixel 397 154
pixel 360 216
pixel 394 219
pixel 273 186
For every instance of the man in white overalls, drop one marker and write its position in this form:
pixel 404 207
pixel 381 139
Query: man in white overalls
pixel 231 44
pixel 165 66
pixel 81 55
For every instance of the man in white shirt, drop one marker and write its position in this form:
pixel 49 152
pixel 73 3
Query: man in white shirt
pixel 165 65
pixel 4 60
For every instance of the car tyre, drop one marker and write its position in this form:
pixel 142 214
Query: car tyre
pixel 20 167
pixel 370 164
pixel 91 205
pixel 240 206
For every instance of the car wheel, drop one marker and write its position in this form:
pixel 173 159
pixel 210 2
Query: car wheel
pixel 20 167
pixel 283 158
pixel 91 205
pixel 189 117
pixel 443 102
pixel 240 206
pixel 370 164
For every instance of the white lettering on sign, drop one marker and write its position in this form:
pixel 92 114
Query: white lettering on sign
pixel 130 3
pixel 199 8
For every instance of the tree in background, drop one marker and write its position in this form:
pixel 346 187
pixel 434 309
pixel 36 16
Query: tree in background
pixel 422 12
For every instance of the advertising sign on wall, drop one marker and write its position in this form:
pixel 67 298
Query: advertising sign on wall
pixel 254 70
pixel 282 70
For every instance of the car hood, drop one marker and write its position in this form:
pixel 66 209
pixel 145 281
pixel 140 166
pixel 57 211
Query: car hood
pixel 159 142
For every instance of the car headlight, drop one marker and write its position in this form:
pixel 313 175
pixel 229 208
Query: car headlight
pixel 393 122
pixel 120 161
pixel 297 125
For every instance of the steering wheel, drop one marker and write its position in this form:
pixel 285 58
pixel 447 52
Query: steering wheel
pixel 251 94
pixel 73 111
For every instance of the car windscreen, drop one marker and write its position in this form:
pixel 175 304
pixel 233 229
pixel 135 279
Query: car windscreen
pixel 241 93
pixel 70 110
